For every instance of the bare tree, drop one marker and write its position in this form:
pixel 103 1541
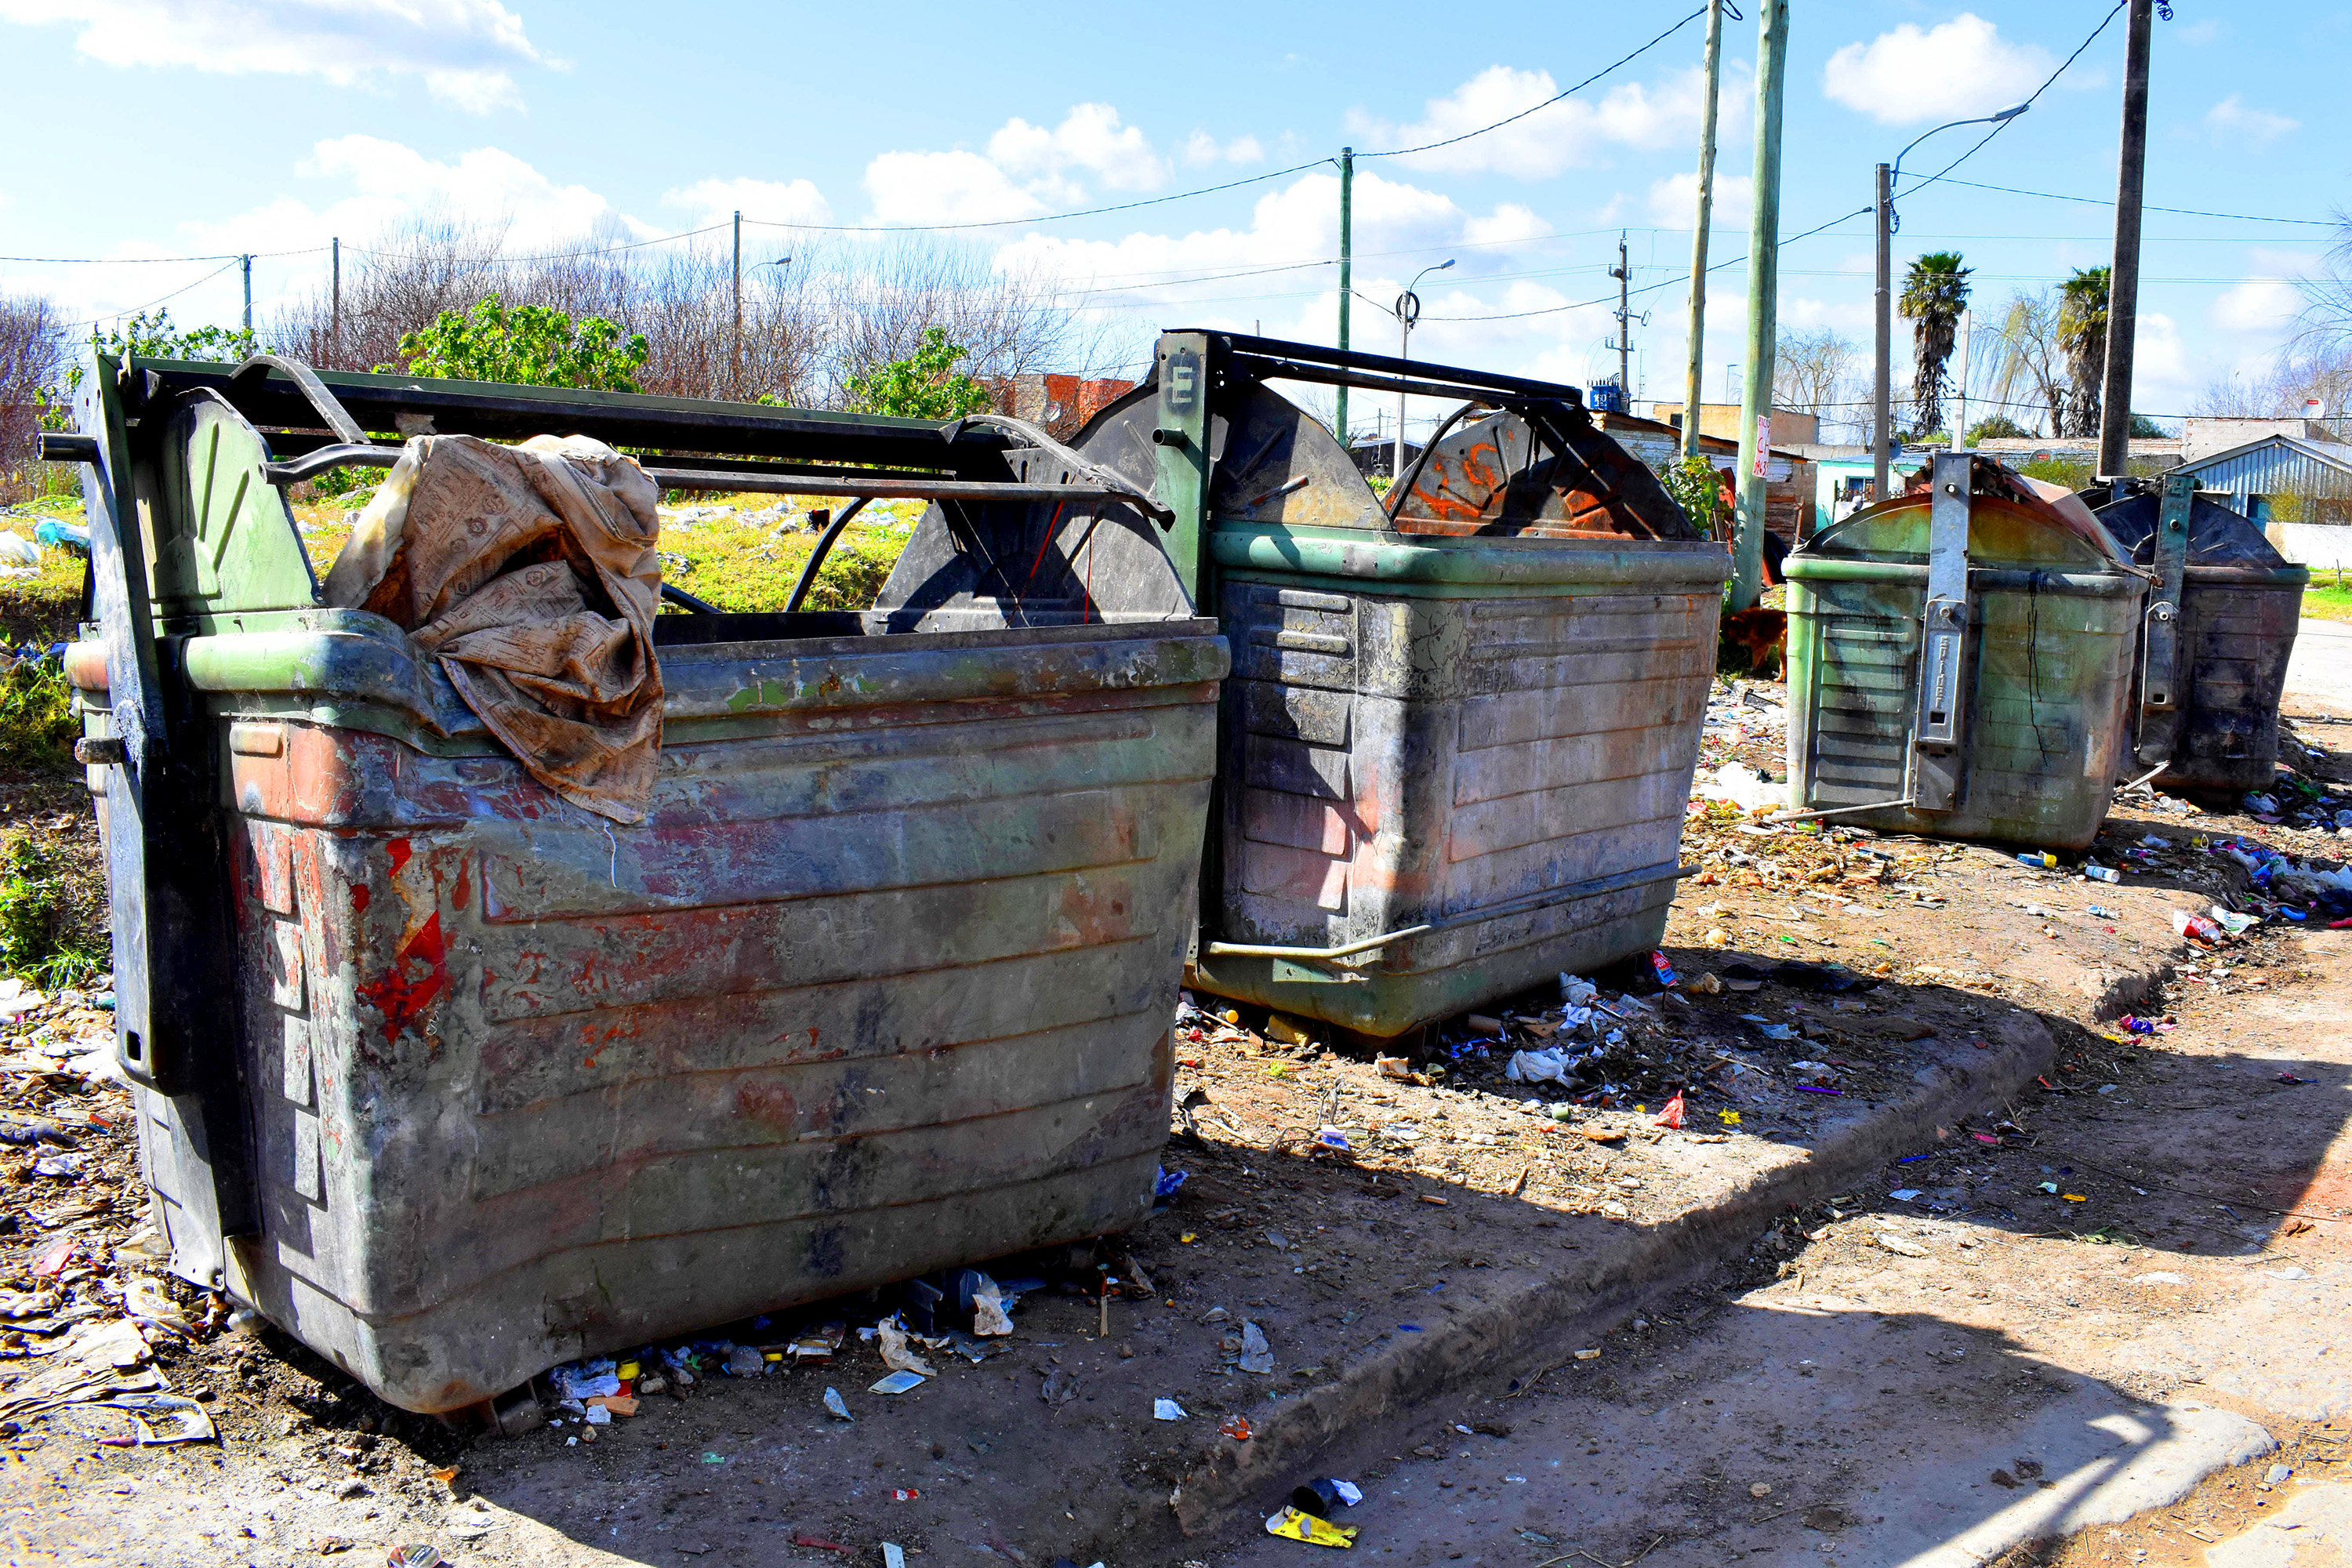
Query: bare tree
pixel 1812 373
pixel 2028 358
pixel 32 351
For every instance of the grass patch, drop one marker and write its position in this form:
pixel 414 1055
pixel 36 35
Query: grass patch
pixel 2327 598
pixel 53 928
pixel 37 723
pixel 742 552
pixel 46 608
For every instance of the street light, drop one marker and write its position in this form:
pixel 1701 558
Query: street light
pixel 1883 401
pixel 1408 311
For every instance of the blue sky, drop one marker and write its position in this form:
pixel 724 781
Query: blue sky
pixel 171 130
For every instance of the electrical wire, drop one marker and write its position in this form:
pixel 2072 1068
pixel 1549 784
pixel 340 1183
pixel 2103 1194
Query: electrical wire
pixel 2181 212
pixel 2104 22
pixel 137 310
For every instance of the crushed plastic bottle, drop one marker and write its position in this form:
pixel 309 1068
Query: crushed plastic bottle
pixel 2196 928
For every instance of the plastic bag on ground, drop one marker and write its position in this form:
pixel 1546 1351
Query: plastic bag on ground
pixel 989 1317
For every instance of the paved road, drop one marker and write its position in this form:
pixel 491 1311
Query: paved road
pixel 2321 670
pixel 2016 1378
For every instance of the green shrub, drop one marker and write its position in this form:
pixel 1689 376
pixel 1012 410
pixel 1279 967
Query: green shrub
pixel 37 723
pixel 52 922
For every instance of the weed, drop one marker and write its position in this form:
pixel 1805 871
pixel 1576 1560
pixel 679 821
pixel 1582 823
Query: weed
pixel 50 917
pixel 37 723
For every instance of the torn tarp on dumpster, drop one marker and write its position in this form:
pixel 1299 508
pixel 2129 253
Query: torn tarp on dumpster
pixel 530 572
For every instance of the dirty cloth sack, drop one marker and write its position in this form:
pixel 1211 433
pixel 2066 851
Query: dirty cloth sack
pixel 530 572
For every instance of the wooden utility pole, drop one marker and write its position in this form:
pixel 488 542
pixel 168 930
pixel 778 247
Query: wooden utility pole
pixel 1347 280
pixel 1763 297
pixel 247 261
pixel 2123 280
pixel 735 355
pixel 335 309
pixel 1694 366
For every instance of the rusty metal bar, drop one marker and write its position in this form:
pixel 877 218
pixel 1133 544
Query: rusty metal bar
pixel 878 487
pixel 1520 906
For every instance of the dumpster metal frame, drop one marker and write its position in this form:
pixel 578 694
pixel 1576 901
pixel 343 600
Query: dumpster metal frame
pixel 174 768
pixel 1200 380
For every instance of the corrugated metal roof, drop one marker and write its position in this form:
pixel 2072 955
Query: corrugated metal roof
pixel 2277 465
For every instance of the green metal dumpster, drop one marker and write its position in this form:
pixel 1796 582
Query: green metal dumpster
pixel 1458 743
pixel 455 1080
pixel 1960 662
pixel 2220 627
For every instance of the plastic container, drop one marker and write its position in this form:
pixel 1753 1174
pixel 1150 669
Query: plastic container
pixel 1458 741
pixel 1996 706
pixel 2221 628
pixel 882 985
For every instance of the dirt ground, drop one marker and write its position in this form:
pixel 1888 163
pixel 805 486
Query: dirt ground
pixel 1455 1186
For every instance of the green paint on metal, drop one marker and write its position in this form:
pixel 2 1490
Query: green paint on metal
pixel 1181 443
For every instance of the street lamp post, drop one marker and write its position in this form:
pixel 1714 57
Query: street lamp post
pixel 1882 399
pixel 1408 311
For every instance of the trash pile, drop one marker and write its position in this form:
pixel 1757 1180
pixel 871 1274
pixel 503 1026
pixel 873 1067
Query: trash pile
pixel 86 1309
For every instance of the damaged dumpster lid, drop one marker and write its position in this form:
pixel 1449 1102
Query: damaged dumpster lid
pixel 2013 520
pixel 2217 536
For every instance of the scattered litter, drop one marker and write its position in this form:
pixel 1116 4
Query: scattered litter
pixel 1237 1427
pixel 419 1555
pixel 897 1383
pixel 896 1354
pixel 1322 1498
pixel 165 1418
pixel 1588 1355
pixel 1298 1526
pixel 835 1406
pixel 989 1318
pixel 1905 1246
pixel 1257 1356
pixel 1672 1116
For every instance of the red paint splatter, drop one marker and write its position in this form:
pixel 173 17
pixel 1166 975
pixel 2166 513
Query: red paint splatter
pixel 465 887
pixel 419 975
pixel 399 850
pixel 359 899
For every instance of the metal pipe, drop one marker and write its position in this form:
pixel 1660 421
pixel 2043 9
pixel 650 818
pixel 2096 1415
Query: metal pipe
pixel 728 481
pixel 1550 896
pixel 1346 274
pixel 1837 810
pixel 817 556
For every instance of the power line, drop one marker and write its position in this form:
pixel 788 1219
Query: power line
pixel 2002 125
pixel 2110 201
pixel 1547 103
pixel 137 310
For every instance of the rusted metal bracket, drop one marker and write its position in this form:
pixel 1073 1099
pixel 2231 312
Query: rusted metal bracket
pixel 1521 906
pixel 2159 696
pixel 1939 728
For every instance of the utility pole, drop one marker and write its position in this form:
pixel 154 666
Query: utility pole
pixel 1693 367
pixel 247 261
pixel 1960 388
pixel 335 309
pixel 2123 280
pixel 735 356
pixel 1347 278
pixel 1763 298
pixel 1625 337
pixel 1882 441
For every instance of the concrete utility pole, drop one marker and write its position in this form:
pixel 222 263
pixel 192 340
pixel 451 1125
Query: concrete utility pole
pixel 1623 274
pixel 735 355
pixel 1694 366
pixel 247 261
pixel 335 309
pixel 1347 278
pixel 1882 444
pixel 2123 280
pixel 1763 297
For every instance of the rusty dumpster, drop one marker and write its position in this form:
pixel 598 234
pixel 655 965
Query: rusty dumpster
pixel 455 1080
pixel 2218 630
pixel 1458 741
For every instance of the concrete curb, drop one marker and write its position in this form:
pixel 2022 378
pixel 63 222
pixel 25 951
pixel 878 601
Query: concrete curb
pixel 1525 1322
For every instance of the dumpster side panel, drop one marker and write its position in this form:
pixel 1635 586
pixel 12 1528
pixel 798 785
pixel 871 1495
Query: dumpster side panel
pixel 2052 681
pixel 2239 639
pixel 1495 751
pixel 848 1007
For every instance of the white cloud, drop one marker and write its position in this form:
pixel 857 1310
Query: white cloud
pixel 464 51
pixel 1090 139
pixel 2232 120
pixel 1673 201
pixel 390 186
pixel 769 201
pixel 1027 170
pixel 944 187
pixel 1506 223
pixel 1907 76
pixel 1571 134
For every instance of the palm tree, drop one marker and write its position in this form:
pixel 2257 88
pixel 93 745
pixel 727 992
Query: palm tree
pixel 1935 291
pixel 2083 335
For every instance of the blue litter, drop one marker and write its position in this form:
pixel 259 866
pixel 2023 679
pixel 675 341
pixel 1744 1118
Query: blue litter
pixel 1166 1183
pixel 1408 1328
